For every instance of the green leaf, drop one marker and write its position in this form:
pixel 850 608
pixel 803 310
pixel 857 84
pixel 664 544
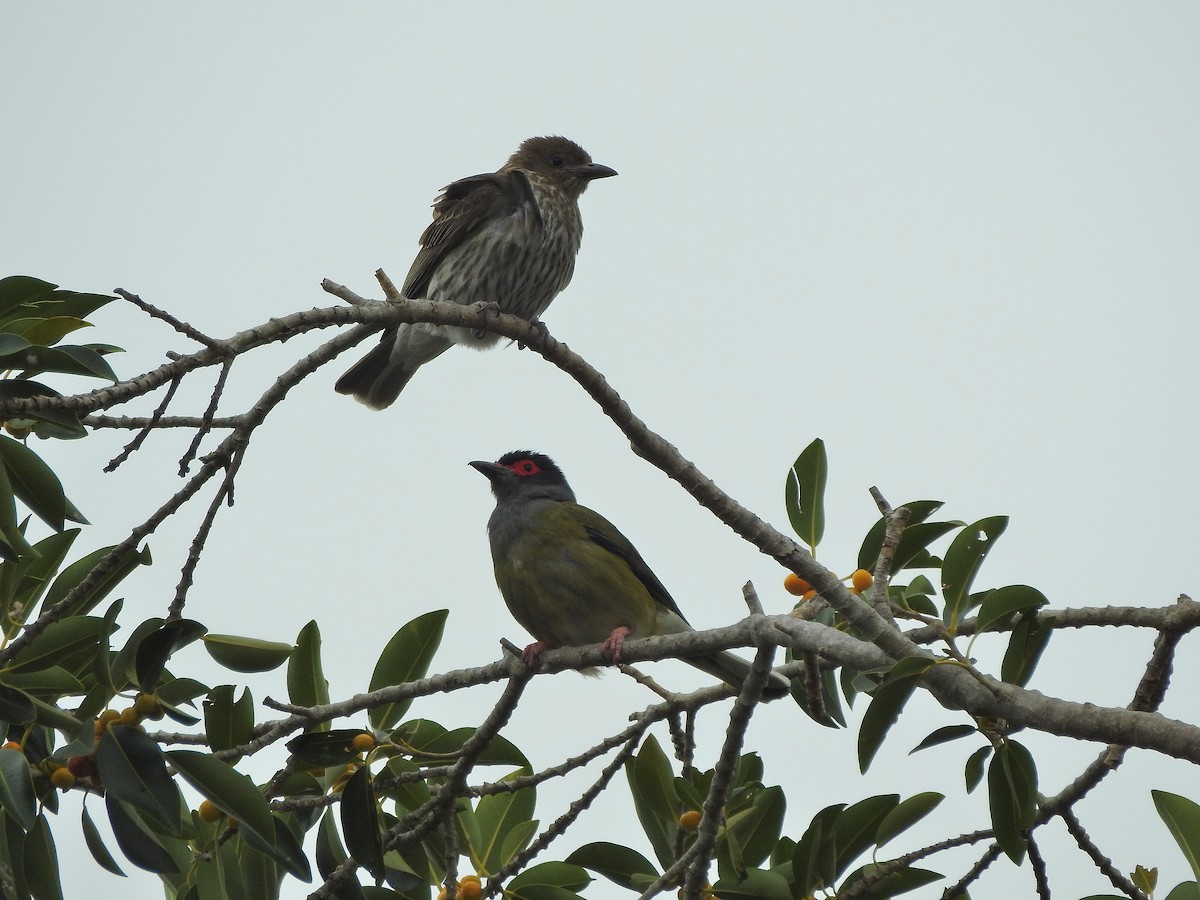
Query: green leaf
pixel 155 649
pixel 907 814
pixel 16 706
pixel 569 877
pixel 16 788
pixel 34 482
pixel 58 642
pixel 1185 890
pixel 1182 818
pixel 66 360
pixel 756 885
pixel 1025 647
pixel 245 654
pixel 141 847
pixel 963 560
pixel 23 582
pixel 325 748
pixel 282 847
pixel 883 713
pixel 329 853
pixel 18 289
pixel 973 771
pixel 804 493
pixel 133 770
pixel 1005 602
pixel 943 735
pixel 360 822
pixel 77 571
pixel 757 828
pixel 497 814
pixel 95 845
pixel 652 784
pixel 41 862
pixel 406 658
pixel 47 331
pixel 1012 797
pixel 893 885
pixel 617 863
pixel 306 682
pixel 916 537
pixel 228 723
pixel 814 861
pixel 232 792
pixel 122 666
pixel 855 829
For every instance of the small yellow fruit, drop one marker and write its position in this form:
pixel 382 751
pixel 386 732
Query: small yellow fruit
pixel 209 811
pixel 795 585
pixel 62 779
pixel 148 706
pixel 470 890
pixel 809 594
pixel 11 745
pixel 690 820
pixel 363 742
pixel 130 716
pixel 861 580
pixel 443 894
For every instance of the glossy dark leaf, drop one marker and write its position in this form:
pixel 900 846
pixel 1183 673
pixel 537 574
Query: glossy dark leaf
pixel 233 793
pixel 617 863
pixel 306 682
pixel 23 582
pixel 16 706
pixel 855 829
pixel 406 658
pixel 497 815
pixel 907 814
pixel 156 649
pixel 652 784
pixel 77 571
pixel 814 861
pixel 963 560
pixel 893 885
pixel 246 654
pixel 66 360
pixel 34 482
pixel 973 771
pixel 95 845
pixel 757 829
pixel 18 289
pixel 360 822
pixel 944 735
pixel 134 771
pixel 41 862
pixel 1182 818
pixel 564 875
pixel 17 797
pixel 883 713
pixel 1005 602
pixel 58 642
pixel 228 723
pixel 804 493
pixel 325 748
pixel 283 848
pixel 140 846
pixel 1012 797
pixel 1025 647
pixel 755 885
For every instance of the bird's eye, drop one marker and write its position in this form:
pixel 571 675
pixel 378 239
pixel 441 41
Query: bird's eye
pixel 557 161
pixel 526 467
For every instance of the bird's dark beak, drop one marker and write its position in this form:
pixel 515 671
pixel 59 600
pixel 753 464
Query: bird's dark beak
pixel 490 470
pixel 592 171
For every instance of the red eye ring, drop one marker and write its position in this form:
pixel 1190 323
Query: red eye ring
pixel 525 467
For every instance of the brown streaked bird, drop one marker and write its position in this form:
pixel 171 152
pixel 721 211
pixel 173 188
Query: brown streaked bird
pixel 509 237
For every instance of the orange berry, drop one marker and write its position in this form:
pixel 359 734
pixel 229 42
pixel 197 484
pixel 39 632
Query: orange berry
pixel 363 742
pixel 209 811
pixel 861 580
pixel 690 820
pixel 475 878
pixel 62 779
pixel 443 894
pixel 130 716
pixel 809 594
pixel 795 585
pixel 470 890
pixel 11 745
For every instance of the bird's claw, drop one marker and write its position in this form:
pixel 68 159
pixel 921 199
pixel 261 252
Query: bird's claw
pixel 612 646
pixel 541 333
pixel 488 306
pixel 532 653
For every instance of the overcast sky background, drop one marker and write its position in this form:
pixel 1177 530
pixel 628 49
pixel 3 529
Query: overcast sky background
pixel 958 243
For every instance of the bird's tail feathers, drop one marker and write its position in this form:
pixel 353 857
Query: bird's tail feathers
pixel 378 378
pixel 733 670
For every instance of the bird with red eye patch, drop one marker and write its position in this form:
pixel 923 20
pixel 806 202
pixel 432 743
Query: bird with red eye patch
pixel 570 578
pixel 507 238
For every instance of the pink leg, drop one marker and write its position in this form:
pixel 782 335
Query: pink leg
pixel 531 653
pixel 613 645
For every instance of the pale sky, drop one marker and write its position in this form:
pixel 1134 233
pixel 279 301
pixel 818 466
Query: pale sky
pixel 956 242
